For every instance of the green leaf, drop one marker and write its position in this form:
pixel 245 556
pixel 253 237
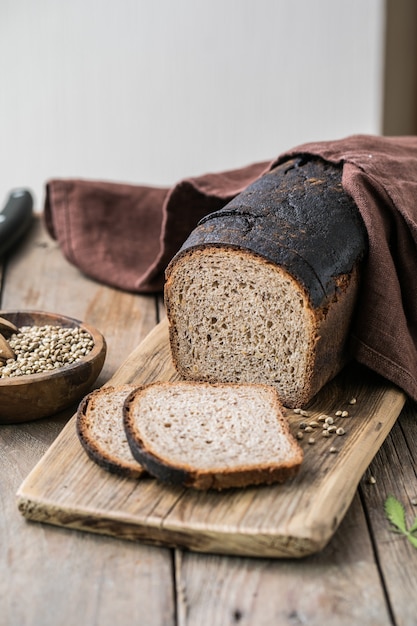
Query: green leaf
pixel 395 513
pixel 412 540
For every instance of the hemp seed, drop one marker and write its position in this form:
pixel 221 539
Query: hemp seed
pixel 44 348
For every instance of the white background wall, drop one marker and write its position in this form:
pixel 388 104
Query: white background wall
pixel 154 90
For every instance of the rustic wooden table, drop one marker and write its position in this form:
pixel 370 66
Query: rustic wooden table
pixel 366 575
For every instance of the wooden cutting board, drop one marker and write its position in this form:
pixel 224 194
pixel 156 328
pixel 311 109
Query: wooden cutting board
pixel 295 519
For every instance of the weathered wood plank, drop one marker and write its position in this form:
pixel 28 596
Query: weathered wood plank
pixel 340 586
pixel 394 469
pixel 48 575
pixel 161 309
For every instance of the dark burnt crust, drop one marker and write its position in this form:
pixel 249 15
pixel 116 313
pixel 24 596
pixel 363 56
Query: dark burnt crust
pixel 93 450
pixel 297 216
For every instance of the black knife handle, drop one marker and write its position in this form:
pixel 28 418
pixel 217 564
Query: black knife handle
pixel 15 218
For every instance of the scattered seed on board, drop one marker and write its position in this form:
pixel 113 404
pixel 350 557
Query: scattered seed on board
pixel 300 435
pixel 371 480
pixel 311 440
pixel 340 431
pixel 338 413
pixel 43 348
pixel 352 401
pixel 308 429
pixel 344 414
pixel 329 420
pixel 333 450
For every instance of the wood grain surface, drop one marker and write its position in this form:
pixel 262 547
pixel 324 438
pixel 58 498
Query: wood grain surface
pixel 49 575
pixel 291 520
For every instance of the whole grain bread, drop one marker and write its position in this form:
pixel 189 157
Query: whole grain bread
pixel 99 425
pixel 264 290
pixel 211 436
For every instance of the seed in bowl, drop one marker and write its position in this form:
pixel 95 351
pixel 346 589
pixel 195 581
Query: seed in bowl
pixel 44 348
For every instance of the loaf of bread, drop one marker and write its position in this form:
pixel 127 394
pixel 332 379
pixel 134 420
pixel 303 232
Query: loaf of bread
pixel 264 290
pixel 211 436
pixel 99 425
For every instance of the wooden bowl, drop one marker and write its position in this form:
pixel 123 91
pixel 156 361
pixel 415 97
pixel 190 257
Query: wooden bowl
pixel 30 397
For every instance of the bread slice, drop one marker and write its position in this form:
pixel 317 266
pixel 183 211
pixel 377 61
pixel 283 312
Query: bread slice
pixel 264 290
pixel 99 425
pixel 211 436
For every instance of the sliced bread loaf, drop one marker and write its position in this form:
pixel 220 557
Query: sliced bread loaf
pixel 99 425
pixel 211 436
pixel 264 290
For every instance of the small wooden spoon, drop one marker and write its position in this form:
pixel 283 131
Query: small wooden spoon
pixel 7 328
pixel 6 352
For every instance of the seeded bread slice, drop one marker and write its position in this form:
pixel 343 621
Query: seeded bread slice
pixel 99 425
pixel 211 435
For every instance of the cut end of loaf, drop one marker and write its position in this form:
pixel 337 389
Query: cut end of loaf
pixel 211 436
pixel 235 317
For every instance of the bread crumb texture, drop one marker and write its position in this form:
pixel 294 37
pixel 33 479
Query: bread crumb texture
pixel 235 317
pixel 213 427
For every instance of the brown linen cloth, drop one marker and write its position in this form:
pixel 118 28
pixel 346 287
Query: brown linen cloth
pixel 124 235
